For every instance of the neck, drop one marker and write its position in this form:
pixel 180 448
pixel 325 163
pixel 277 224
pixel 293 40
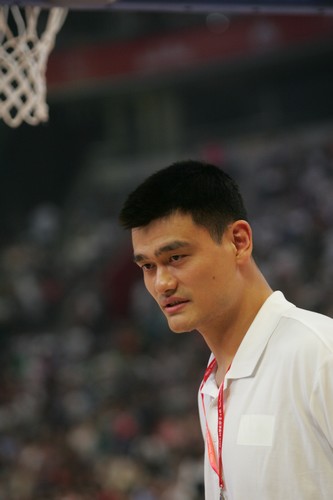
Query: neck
pixel 225 340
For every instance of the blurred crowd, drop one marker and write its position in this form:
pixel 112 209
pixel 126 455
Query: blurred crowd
pixel 97 397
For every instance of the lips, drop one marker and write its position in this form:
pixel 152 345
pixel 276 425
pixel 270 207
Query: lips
pixel 173 304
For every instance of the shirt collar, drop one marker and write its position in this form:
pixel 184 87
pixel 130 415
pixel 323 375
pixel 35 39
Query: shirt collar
pixel 254 342
pixel 258 335
pixel 210 388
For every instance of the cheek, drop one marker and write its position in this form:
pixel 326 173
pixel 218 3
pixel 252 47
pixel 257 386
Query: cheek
pixel 221 278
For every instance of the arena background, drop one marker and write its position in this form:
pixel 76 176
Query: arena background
pixel 97 397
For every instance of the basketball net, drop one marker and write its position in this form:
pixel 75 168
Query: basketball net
pixel 24 50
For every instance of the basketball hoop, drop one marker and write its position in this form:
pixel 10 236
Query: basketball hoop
pixel 24 51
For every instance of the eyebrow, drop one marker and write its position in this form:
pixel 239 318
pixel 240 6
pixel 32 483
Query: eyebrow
pixel 169 247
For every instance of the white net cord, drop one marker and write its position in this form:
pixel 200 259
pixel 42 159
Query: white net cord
pixel 23 61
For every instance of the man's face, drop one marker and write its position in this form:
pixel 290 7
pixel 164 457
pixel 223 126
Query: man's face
pixel 192 277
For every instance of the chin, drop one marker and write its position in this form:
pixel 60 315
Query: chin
pixel 178 332
pixel 179 328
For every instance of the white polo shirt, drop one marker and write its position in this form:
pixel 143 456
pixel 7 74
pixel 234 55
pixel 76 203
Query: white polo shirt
pixel 278 395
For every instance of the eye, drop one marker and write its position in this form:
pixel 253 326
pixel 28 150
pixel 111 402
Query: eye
pixel 147 267
pixel 176 258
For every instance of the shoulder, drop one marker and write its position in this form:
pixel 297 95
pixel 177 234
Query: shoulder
pixel 299 325
pixel 304 339
pixel 315 325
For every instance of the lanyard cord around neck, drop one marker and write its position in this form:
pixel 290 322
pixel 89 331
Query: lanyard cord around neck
pixel 215 462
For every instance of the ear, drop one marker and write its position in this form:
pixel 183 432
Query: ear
pixel 241 233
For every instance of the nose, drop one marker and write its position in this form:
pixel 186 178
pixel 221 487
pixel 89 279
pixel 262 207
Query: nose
pixel 165 282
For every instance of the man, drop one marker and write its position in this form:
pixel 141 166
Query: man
pixel 266 399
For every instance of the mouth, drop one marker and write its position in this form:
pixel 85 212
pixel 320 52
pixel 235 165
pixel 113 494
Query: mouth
pixel 174 305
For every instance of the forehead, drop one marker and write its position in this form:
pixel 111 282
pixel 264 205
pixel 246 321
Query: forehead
pixel 176 229
pixel 164 226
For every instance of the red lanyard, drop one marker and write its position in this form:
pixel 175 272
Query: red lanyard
pixel 216 464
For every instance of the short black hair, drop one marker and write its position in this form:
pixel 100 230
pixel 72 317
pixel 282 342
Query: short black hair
pixel 199 189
